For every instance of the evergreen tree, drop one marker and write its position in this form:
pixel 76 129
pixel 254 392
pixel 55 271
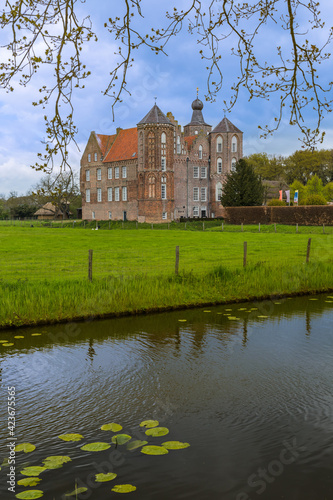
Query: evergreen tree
pixel 243 187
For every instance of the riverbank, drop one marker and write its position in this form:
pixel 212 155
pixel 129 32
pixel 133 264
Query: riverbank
pixel 36 303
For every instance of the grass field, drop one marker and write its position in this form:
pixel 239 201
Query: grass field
pixel 44 271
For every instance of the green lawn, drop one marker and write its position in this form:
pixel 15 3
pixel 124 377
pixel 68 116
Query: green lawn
pixel 44 270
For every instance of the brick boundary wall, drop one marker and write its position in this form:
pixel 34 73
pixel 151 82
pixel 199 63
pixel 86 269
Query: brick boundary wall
pixel 315 215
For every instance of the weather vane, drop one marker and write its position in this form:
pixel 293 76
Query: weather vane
pixel 197 92
pixel 155 99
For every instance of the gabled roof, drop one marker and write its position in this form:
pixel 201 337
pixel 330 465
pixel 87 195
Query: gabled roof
pixel 225 126
pixel 49 209
pixel 105 142
pixel 155 115
pixel 124 146
pixel 189 140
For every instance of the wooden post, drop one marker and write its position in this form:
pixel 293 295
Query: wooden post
pixel 122 224
pixel 152 226
pixel 323 228
pixel 222 226
pixel 308 251
pixel 168 225
pixel 90 260
pixel 203 226
pixel 73 223
pixel 84 224
pixel 274 228
pixel 242 226
pixel 185 225
pixel 259 227
pixel 297 228
pixel 245 253
pixel 136 224
pixel 177 260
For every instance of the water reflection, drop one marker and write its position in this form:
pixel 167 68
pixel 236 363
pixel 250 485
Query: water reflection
pixel 237 382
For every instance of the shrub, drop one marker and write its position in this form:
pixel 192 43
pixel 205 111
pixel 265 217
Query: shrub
pixel 276 203
pixel 314 199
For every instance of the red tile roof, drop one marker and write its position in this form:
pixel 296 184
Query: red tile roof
pixel 124 147
pixel 189 140
pixel 104 142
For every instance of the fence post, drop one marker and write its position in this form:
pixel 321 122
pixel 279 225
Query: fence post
pixel 259 227
pixel 297 227
pixel 242 226
pixel 222 226
pixel 203 226
pixel 245 253
pixel 168 225
pixel 323 228
pixel 274 228
pixel 109 224
pixel 136 224
pixel 90 259
pixel 185 225
pixel 308 251
pixel 152 226
pixel 177 260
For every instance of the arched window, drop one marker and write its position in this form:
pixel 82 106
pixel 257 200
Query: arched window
pixel 233 164
pixel 163 151
pixel 218 191
pixel 234 144
pixel 141 148
pixel 219 144
pixel 219 166
pixel 200 152
pixel 178 145
pixel 151 187
pixel 151 149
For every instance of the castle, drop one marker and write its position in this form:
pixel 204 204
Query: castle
pixel 154 172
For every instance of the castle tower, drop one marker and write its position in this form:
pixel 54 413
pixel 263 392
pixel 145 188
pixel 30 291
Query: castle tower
pixel 155 167
pixel 226 149
pixel 197 123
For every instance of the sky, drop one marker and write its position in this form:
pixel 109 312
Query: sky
pixel 171 79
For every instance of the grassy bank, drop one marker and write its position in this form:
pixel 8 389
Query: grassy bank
pixel 44 271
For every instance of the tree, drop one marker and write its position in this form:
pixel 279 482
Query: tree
pixel 271 169
pixel 243 187
pixel 220 26
pixel 302 165
pixel 314 186
pixel 328 191
pixel 61 190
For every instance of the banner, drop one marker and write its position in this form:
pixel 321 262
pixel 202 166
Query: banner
pixel 280 195
pixel 296 197
pixel 288 195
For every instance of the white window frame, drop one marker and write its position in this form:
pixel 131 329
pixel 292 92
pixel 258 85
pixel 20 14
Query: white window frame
pixel 200 152
pixel 124 172
pixel 109 193
pixel 195 172
pixel 124 193
pixel 219 166
pixel 163 192
pixel 87 195
pixel 116 172
pixel 95 156
pixel 163 163
pixel 93 216
pixel 218 188
pixel 195 211
pixel 164 215
pixel 219 144
pixel 116 194
pixel 195 194
pixel 203 194
pixel 109 172
pixel 178 145
pixel 99 195
pixel 89 157
pixel 203 172
pixel 87 175
pixel 110 215
pixel 234 144
pixel 99 174
pixel 233 165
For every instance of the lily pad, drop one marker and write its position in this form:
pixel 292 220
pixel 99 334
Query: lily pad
pixel 313 299
pixel 233 317
pixel 111 427
pixel 262 316
pixel 8 344
pixel 71 437
pixel 149 423
pixel 133 445
pixel 18 337
pixel 3 341
pixel 124 488
pixel 55 462
pixel 30 494
pixel 102 478
pixel 242 309
pixel 32 471
pixel 121 438
pixel 182 320
pixel 29 481
pixel 157 431
pixel 35 334
pixel 175 445
pixel 76 492
pixel 207 311
pixel 154 450
pixel 26 447
pixel 95 447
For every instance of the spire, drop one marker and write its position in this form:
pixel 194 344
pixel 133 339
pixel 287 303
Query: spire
pixel 155 115
pixel 197 116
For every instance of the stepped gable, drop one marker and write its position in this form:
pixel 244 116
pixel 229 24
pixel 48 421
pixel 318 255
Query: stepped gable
pixel 226 126
pixel 197 116
pixel 155 115
pixel 105 142
pixel 124 147
pixel 189 140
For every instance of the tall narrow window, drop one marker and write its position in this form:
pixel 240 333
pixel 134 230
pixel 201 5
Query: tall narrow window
pixel 116 194
pixel 88 195
pixel 234 144
pixel 124 193
pixel 93 215
pixel 151 150
pixel 163 191
pixel 233 164
pixel 151 187
pixel 164 215
pixel 87 175
pixel 163 163
pixel 109 172
pixel 110 215
pixel 196 194
pixel 95 156
pixel 219 144
pixel 109 194
pixel 196 172
pixel 200 152
pixel 99 194
pixel 218 191
pixel 124 172
pixel 203 172
pixel 99 174
pixel 219 165
pixel 116 172
pixel 179 149
pixel 203 194
pixel 195 211
pixel 163 151
pixel 89 158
